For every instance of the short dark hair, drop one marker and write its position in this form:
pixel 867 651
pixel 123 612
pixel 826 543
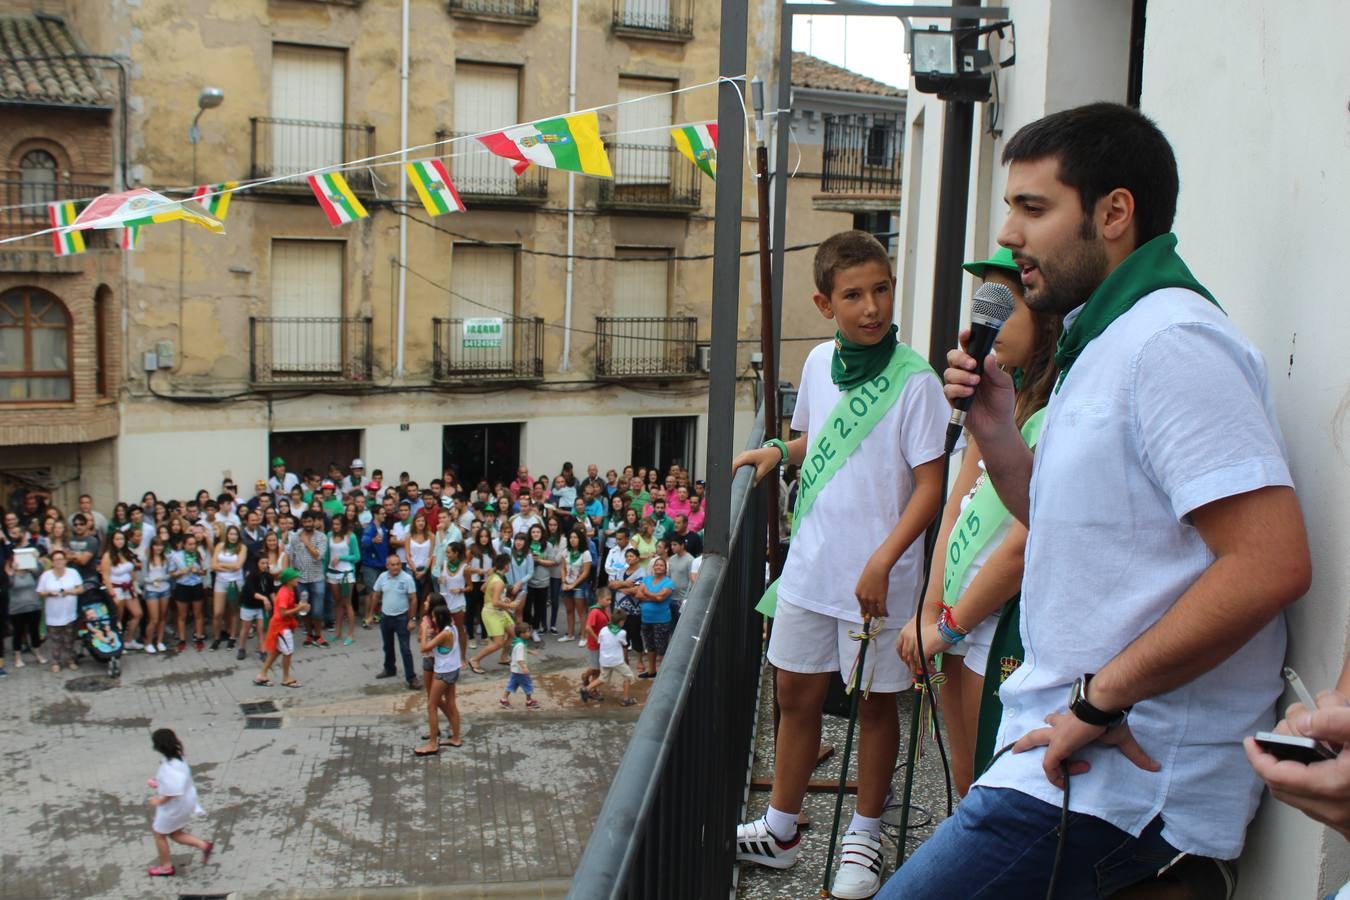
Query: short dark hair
pixel 844 251
pixel 1104 146
pixel 79 519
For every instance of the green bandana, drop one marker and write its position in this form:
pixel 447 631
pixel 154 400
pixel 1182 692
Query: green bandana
pixel 1151 267
pixel 519 640
pixel 573 556
pixel 536 547
pixel 453 567
pixel 613 629
pixel 519 557
pixel 853 364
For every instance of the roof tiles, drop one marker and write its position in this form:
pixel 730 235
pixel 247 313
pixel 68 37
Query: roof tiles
pixel 812 72
pixel 39 63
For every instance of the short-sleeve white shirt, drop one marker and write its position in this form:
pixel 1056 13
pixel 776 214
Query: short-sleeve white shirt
pixel 1167 411
pixel 859 506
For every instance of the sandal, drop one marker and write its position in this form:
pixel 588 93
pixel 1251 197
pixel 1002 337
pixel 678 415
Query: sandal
pixel 207 850
pixel 477 670
pixel 262 682
pixel 423 751
pixel 161 870
pixel 451 742
pixel 292 684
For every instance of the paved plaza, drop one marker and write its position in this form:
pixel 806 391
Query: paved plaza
pixel 321 796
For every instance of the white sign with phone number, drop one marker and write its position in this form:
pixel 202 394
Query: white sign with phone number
pixel 482 334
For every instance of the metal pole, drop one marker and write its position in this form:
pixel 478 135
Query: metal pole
pixel 726 278
pixel 768 339
pixel 782 124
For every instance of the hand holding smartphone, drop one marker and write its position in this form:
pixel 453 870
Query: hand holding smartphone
pixel 1292 747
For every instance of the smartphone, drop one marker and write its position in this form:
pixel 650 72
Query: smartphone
pixel 1292 747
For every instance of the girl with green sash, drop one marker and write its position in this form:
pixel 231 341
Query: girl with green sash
pixel 979 568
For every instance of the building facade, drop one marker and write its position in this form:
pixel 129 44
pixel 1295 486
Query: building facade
pixel 286 336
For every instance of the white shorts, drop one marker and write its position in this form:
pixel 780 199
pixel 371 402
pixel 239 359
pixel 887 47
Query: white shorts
pixel 250 615
pixel 286 642
pixel 977 645
pixel 810 642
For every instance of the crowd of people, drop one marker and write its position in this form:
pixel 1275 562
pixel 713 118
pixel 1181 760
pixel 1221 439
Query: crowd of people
pixel 468 573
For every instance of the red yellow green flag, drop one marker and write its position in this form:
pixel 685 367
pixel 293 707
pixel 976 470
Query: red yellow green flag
pixel 336 199
pixel 567 142
pixel 64 243
pixel 434 187
pixel 215 198
pixel 699 143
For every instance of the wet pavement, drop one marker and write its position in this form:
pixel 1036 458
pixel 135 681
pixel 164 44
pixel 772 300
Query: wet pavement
pixel 321 795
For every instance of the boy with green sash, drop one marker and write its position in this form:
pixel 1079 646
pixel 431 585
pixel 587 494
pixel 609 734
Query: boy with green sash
pixel 873 418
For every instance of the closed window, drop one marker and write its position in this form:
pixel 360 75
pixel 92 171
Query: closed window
pixel 482 281
pixel 307 305
pixel 642 149
pixel 37 175
pixel 309 102
pixel 642 286
pixel 487 98
pixel 34 347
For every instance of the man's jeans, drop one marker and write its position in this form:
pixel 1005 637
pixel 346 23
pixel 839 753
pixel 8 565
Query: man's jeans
pixel 389 627
pixel 315 593
pixel 1001 843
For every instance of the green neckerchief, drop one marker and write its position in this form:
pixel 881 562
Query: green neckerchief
pixel 853 364
pixel 519 640
pixel 573 556
pixel 536 547
pixel 854 415
pixel 613 629
pixel 452 568
pixel 978 522
pixel 519 557
pixel 1151 267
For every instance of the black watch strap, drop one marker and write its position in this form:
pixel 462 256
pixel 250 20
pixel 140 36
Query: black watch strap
pixel 1086 712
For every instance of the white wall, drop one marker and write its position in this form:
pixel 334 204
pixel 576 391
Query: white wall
pixel 1258 118
pixel 1259 122
pixel 176 463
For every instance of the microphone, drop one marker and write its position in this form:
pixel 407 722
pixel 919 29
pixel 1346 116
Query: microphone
pixel 989 309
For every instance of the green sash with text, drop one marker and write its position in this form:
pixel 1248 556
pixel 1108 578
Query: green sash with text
pixel 849 422
pixel 979 522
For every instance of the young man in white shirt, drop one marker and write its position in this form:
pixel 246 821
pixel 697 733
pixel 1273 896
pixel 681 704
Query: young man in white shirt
pixel 1164 539
pixel 521 521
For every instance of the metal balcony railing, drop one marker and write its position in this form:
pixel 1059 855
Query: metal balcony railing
pixel 668 825
pixel 651 177
pixel 521 11
pixel 646 347
pixel 289 146
pixel 459 357
pixel 862 155
pixel 489 179
pixel 288 350
pixel 23 210
pixel 662 19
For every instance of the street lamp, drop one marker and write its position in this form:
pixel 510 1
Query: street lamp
pixel 209 98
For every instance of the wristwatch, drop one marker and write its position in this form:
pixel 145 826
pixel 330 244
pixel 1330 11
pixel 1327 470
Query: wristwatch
pixel 1086 712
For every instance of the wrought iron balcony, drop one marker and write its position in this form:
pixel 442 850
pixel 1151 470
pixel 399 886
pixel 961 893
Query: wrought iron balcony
pixel 290 146
pixel 489 180
pixel 518 357
pixel 650 177
pixel 862 155
pixel 515 12
pixel 291 350
pixel 667 20
pixel 23 210
pixel 646 347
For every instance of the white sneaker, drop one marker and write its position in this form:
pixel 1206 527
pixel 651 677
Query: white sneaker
pixel 860 864
pixel 757 844
pixel 160 647
pixel 537 638
pixel 134 645
pixel 566 639
pixel 150 648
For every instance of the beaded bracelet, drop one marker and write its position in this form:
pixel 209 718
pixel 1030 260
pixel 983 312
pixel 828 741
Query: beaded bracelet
pixel 780 446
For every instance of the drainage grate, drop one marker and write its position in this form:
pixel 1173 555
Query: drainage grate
pixel 203 897
pixel 257 722
pixel 261 706
pixel 90 684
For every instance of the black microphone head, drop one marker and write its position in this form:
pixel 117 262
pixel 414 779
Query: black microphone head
pixel 991 305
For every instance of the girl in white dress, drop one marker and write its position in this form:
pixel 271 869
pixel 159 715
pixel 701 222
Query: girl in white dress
pixel 175 802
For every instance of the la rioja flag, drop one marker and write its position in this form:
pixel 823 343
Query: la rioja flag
pixel 434 187
pixel 336 199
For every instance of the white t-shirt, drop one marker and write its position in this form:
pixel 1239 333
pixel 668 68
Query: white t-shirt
pixel 1168 411
pixel 517 658
pixel 612 644
pixel 860 505
pixel 419 553
pixel 59 610
pixel 175 781
pixel 615 562
pixel 452 586
pixel 446 659
pixel 572 570
pixel 399 532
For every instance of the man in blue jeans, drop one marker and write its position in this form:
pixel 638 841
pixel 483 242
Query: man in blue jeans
pixel 1164 539
pixel 398 600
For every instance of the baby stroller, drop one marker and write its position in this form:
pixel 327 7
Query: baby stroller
pixel 98 631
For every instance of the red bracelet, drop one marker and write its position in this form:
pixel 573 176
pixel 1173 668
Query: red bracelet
pixel 950 620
